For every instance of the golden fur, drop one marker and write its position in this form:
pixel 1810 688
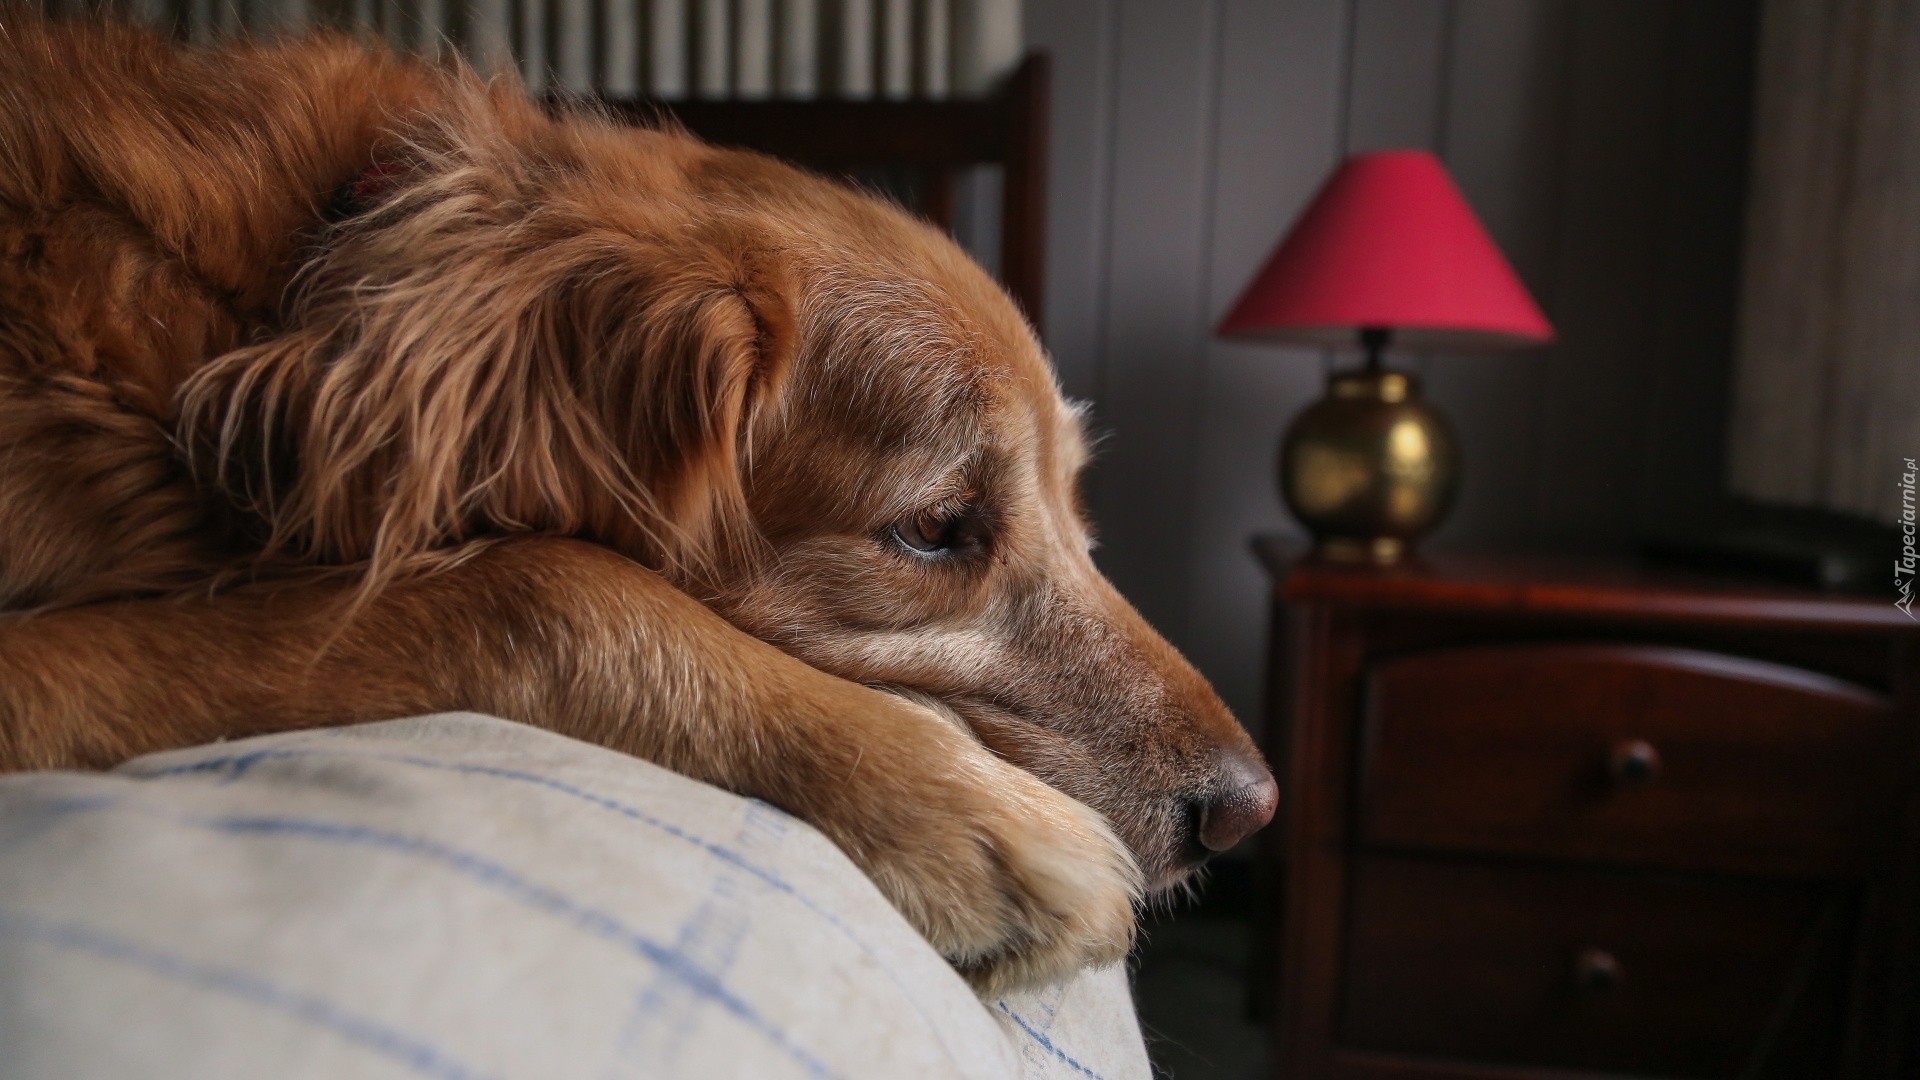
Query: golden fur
pixel 596 428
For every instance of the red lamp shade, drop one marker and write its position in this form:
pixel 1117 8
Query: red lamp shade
pixel 1389 242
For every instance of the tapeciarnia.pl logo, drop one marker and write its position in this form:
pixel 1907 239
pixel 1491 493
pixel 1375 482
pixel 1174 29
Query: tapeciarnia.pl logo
pixel 1903 567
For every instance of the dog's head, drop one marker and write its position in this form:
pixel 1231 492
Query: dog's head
pixel 916 486
pixel 807 408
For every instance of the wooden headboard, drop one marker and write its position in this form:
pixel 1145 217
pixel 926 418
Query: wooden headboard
pixel 930 140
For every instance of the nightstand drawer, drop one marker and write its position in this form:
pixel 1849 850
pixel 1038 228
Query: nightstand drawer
pixel 1659 975
pixel 1645 754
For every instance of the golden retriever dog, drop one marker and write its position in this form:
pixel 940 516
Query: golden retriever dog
pixel 335 386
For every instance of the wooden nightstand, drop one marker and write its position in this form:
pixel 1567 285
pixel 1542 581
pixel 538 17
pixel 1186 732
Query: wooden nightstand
pixel 1548 816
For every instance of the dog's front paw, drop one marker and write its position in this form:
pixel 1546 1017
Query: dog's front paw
pixel 1015 883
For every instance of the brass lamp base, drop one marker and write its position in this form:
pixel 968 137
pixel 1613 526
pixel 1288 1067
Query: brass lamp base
pixel 1370 468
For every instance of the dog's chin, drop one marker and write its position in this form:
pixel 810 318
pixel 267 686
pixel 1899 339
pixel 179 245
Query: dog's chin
pixel 1168 882
pixel 1177 870
pixel 1172 866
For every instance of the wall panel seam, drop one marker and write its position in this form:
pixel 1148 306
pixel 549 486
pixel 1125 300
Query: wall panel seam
pixel 1443 92
pixel 1114 21
pixel 1551 285
pixel 1343 126
pixel 1655 324
pixel 1209 227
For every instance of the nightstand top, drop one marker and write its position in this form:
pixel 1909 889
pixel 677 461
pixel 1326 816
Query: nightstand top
pixel 1543 583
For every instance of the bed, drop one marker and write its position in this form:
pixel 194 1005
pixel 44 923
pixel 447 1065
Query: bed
pixel 459 896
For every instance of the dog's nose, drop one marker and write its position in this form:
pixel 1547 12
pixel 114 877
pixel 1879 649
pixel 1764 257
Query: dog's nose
pixel 1242 801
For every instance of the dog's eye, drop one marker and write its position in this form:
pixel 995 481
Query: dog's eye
pixel 929 532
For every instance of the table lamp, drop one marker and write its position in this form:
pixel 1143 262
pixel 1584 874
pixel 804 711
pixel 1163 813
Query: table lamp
pixel 1387 252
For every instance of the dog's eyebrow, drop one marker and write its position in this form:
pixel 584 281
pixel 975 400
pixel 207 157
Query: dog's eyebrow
pixel 950 482
pixel 958 479
pixel 954 486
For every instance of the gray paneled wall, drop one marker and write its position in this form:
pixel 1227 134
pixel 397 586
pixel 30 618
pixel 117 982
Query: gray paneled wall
pixel 1603 141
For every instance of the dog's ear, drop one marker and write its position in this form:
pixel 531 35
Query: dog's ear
pixel 701 341
pixel 459 363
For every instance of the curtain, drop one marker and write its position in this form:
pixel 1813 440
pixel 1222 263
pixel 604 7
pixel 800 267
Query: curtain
pixel 1826 402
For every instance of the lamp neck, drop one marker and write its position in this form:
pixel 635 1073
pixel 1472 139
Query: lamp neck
pixel 1374 339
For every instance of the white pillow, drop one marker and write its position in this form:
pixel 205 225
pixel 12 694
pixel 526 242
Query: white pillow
pixel 460 896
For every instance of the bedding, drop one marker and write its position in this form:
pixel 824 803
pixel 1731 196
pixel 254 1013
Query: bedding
pixel 461 896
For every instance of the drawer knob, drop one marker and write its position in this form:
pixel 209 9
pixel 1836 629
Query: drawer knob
pixel 1597 970
pixel 1633 763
